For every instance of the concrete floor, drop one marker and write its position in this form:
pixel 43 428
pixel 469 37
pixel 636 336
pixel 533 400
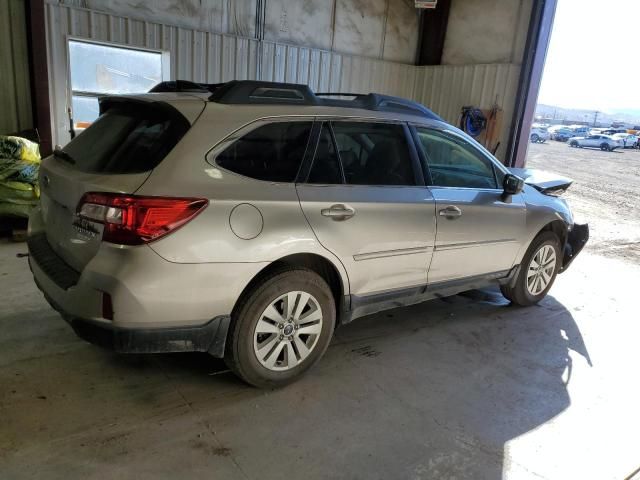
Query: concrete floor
pixel 468 387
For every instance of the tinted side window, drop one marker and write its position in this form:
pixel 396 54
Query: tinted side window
pixel 272 152
pixel 374 153
pixel 326 167
pixel 454 162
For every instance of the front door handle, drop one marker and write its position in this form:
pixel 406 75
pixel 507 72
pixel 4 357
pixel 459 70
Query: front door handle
pixel 338 212
pixel 451 211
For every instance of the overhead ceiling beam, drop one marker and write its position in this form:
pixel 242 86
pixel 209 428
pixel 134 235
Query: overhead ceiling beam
pixel 432 33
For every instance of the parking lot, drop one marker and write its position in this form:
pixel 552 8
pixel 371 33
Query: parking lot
pixel 463 387
pixel 606 193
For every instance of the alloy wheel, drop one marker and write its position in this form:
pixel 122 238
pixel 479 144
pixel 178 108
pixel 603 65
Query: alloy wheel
pixel 287 331
pixel 541 270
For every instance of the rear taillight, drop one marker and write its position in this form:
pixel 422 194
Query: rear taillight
pixel 134 220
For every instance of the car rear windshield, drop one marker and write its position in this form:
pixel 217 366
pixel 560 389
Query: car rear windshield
pixel 127 138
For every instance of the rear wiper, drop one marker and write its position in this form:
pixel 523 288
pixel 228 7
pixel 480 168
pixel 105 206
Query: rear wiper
pixel 58 152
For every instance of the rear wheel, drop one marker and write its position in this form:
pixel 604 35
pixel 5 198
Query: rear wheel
pixel 605 147
pixel 538 271
pixel 281 328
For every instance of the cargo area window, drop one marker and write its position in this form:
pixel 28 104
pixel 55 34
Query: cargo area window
pixel 99 69
pixel 271 153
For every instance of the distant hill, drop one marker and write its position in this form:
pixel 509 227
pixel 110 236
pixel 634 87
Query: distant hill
pixel 553 114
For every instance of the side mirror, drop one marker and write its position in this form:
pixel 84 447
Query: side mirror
pixel 512 184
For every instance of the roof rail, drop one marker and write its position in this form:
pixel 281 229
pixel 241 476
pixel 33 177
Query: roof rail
pixel 252 92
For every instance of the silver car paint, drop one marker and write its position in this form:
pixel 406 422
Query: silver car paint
pixel 199 271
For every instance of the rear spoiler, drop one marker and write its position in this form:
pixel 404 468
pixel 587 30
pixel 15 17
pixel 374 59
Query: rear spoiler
pixel 544 182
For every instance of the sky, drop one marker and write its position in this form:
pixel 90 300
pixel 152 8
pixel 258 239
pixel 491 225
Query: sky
pixel 594 56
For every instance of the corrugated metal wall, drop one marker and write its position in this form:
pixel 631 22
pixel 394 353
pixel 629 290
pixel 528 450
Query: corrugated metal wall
pixel 213 57
pixel 15 95
pixel 447 88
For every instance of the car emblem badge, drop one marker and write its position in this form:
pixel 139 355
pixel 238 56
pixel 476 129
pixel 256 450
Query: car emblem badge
pixel 85 229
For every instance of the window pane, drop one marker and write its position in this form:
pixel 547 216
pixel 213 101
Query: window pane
pixel 455 163
pixel 127 139
pixel 325 169
pixel 374 153
pixel 85 110
pixel 272 152
pixel 107 69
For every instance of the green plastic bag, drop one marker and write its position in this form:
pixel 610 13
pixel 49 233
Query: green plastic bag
pixel 19 170
pixel 19 148
pixel 19 192
pixel 15 210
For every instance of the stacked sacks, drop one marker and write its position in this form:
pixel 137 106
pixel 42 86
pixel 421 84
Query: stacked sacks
pixel 19 165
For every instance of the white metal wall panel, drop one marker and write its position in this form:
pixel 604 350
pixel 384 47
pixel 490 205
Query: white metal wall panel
pixel 195 55
pixel 447 88
pixel 213 57
pixel 15 97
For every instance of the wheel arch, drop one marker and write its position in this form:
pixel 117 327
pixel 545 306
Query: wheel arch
pixel 556 226
pixel 335 277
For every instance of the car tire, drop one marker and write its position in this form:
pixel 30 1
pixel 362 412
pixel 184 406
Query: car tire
pixel 535 138
pixel 574 144
pixel 605 147
pixel 525 290
pixel 263 359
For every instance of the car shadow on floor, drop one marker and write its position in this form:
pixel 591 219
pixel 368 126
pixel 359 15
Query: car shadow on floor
pixel 444 385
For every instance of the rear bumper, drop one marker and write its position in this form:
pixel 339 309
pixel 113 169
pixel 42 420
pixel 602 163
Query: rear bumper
pixel 576 240
pixel 210 337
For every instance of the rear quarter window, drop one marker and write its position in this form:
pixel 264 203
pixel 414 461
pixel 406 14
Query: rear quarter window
pixel 128 138
pixel 272 152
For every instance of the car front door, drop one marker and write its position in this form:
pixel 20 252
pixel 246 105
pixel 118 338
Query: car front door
pixel 479 230
pixel 365 198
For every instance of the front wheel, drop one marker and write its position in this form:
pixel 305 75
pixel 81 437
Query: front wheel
pixel 605 147
pixel 574 144
pixel 538 271
pixel 535 138
pixel 281 328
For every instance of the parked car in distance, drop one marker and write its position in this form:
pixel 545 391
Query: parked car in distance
pixel 539 134
pixel 250 219
pixel 628 140
pixel 560 133
pixel 603 142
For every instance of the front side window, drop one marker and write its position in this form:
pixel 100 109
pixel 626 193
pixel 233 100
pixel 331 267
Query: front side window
pixel 455 163
pixel 272 152
pixel 374 153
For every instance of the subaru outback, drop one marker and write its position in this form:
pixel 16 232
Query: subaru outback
pixel 250 219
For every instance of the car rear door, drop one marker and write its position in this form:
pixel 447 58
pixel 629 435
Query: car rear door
pixel 364 196
pixel 479 231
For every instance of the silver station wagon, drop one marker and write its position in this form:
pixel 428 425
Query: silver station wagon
pixel 250 219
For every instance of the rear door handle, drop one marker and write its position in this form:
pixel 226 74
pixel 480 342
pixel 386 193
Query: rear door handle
pixel 451 211
pixel 338 212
